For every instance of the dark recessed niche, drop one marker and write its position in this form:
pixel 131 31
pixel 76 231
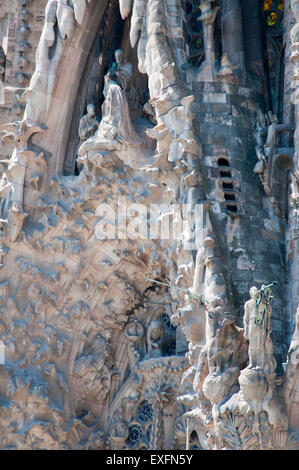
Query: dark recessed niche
pixel 229 197
pixel 223 162
pixel 231 208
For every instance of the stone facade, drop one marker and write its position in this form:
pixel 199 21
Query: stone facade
pixel 119 117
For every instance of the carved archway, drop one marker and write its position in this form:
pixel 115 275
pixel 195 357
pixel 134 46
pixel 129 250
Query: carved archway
pixel 56 117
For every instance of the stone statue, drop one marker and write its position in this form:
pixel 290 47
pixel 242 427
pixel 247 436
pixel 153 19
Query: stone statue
pixel 134 332
pixel 115 131
pixel 207 269
pixel 271 135
pixel 225 354
pixel 88 123
pixel 260 127
pixel 257 329
pixel 294 184
pixel 155 336
pixel 265 152
pixel 124 72
pixel 261 165
pixel 262 169
pixel 119 432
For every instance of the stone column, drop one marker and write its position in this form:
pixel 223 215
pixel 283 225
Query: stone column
pixel 232 36
pixel 288 105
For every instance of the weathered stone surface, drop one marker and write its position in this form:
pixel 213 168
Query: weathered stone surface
pixel 125 320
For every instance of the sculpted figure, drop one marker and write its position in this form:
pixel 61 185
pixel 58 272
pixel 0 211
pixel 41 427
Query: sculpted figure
pixel 254 333
pixel 271 135
pixel 47 39
pixel 115 130
pixel 124 72
pixel 225 355
pixel 257 329
pixel 119 431
pixel 155 336
pixel 264 430
pixel 294 184
pixel 214 317
pixel 88 123
pixel 260 126
pixel 261 165
pixel 265 152
pixel 204 265
pixel 262 169
pixel 134 332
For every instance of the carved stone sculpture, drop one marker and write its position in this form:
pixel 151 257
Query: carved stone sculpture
pixel 134 332
pixel 265 151
pixel 124 71
pixel 115 130
pixel 88 123
pixel 12 183
pixel 261 168
pixel 257 329
pixel 155 336
pixel 80 371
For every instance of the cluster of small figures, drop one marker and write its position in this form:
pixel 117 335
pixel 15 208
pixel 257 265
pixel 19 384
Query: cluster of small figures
pixel 120 107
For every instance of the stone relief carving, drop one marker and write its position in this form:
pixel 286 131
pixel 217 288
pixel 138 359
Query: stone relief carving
pixel 59 25
pixel 86 293
pixel 265 152
pixel 155 336
pixel 237 407
pixel 134 332
pixel 12 181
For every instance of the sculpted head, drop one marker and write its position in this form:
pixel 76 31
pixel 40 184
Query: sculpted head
pixel 91 110
pixel 156 329
pixel 119 57
pixel 253 292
